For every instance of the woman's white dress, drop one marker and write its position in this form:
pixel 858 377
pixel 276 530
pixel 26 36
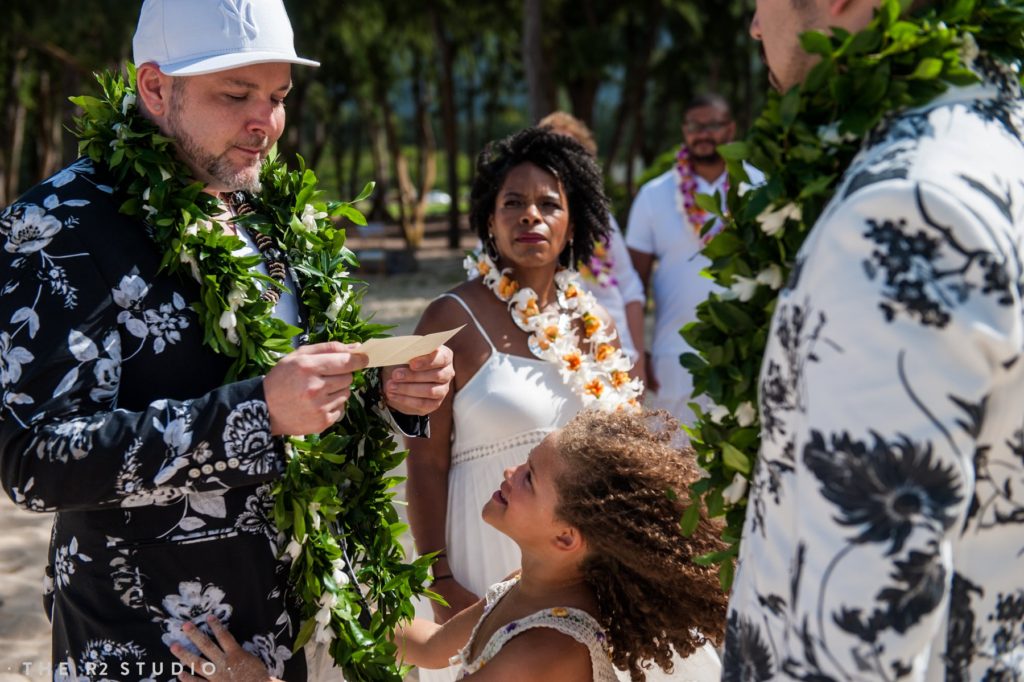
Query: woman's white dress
pixel 499 415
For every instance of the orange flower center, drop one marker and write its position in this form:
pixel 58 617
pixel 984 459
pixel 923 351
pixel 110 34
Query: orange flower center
pixel 573 360
pixel 507 287
pixel 595 388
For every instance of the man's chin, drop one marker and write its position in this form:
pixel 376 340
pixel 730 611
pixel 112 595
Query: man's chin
pixel 705 158
pixel 247 180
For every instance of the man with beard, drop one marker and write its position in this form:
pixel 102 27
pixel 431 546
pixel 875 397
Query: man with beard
pixel 665 238
pixel 113 410
pixel 883 537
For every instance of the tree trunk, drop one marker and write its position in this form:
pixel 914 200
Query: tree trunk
pixel 537 77
pixel 355 178
pixel 427 153
pixel 449 121
pixel 583 95
pixel 406 191
pixel 381 167
pixel 15 125
pixel 635 88
pixel 48 137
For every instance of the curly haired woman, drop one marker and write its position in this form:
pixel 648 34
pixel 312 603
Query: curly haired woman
pixel 607 580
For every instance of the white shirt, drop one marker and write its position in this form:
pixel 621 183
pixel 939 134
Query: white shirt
pixel 658 227
pixel 287 308
pixel 884 535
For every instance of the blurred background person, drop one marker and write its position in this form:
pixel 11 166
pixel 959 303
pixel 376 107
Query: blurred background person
pixel 665 241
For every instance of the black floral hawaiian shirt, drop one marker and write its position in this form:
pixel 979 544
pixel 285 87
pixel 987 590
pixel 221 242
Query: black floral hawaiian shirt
pixel 114 415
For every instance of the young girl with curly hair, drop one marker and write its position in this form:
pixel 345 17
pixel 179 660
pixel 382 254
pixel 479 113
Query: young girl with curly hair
pixel 607 581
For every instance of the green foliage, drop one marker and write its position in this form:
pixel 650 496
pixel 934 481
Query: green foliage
pixel 804 140
pixel 334 498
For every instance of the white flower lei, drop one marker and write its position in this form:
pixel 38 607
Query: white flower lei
pixel 599 374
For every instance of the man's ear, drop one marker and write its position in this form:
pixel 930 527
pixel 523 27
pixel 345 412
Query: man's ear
pixel 154 91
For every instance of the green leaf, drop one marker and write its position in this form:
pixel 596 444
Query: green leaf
pixel 305 633
pixel 691 517
pixel 367 191
pixel 816 42
pixel 352 214
pixel 709 203
pixel 789 107
pixel 734 151
pixel 735 459
pixel 928 69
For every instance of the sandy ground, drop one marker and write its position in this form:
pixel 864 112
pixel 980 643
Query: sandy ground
pixel 24 630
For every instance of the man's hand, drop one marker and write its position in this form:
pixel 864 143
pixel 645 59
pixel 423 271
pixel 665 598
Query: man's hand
pixel 420 387
pixel 307 390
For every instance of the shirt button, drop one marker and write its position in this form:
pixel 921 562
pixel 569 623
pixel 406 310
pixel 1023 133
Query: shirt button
pixel 219 465
pixel 207 469
pixel 193 472
pixel 233 463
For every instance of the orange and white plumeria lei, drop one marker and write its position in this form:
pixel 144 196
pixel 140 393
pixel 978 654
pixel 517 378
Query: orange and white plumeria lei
pixel 600 373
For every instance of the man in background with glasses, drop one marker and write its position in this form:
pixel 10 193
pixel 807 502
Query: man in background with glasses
pixel 664 228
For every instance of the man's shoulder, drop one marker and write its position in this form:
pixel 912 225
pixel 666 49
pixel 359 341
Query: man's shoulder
pixel 658 187
pixel 960 146
pixel 80 181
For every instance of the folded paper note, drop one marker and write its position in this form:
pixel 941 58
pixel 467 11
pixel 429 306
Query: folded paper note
pixel 399 350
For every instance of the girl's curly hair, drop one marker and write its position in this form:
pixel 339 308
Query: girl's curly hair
pixel 625 488
pixel 561 156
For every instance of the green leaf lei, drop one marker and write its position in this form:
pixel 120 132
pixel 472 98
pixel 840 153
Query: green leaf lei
pixel 804 140
pixel 334 497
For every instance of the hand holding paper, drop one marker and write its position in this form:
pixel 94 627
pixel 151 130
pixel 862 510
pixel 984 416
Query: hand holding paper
pixel 420 388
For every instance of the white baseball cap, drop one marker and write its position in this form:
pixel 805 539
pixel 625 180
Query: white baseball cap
pixel 193 37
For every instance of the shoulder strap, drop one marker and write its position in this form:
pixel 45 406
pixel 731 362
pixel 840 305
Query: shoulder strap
pixel 479 327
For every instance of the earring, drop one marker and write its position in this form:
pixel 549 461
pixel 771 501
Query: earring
pixel 572 257
pixel 490 247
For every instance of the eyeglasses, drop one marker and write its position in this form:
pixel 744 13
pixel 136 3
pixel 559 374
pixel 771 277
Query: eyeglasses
pixel 710 127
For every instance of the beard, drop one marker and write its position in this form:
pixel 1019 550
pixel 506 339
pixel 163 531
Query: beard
pixel 708 157
pixel 713 157
pixel 217 168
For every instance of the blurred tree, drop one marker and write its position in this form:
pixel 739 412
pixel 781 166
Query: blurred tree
pixel 394 71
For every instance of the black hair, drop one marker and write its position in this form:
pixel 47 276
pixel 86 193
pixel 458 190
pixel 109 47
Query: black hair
pixel 709 99
pixel 563 157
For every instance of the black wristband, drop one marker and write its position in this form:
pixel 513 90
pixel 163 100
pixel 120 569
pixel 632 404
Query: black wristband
pixel 443 576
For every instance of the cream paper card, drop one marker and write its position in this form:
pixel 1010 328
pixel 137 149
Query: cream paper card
pixel 399 350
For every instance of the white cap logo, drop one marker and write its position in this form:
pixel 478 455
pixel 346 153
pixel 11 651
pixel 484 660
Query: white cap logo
pixel 238 14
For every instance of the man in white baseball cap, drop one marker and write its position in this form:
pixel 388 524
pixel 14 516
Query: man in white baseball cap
pixel 160 472
pixel 214 75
